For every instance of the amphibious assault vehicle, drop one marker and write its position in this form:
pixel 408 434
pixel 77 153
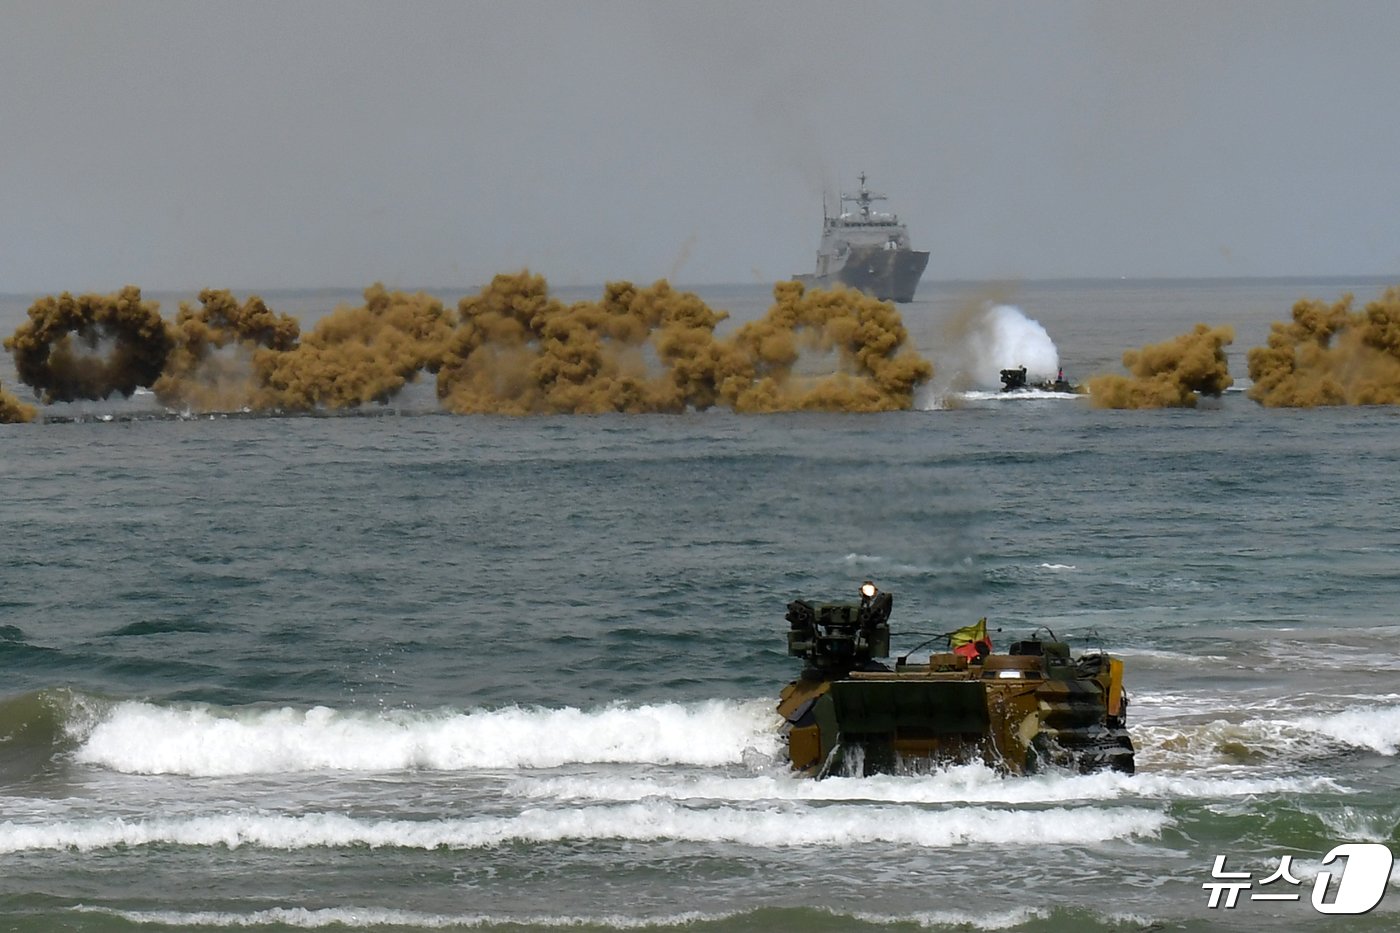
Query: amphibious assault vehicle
pixel 1032 708
pixel 1015 380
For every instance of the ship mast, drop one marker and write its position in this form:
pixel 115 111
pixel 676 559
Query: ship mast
pixel 863 198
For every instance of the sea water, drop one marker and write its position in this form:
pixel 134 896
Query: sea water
pixel 422 671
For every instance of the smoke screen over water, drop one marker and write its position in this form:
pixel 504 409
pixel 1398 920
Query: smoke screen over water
pixel 514 348
pixel 511 349
pixel 1169 374
pixel 91 346
pixel 1329 354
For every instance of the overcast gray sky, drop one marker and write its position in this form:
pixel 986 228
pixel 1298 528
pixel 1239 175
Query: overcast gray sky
pixel 316 143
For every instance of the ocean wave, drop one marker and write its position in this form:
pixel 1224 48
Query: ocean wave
pixel 885 565
pixel 35 726
pixel 1185 658
pixel 1359 824
pixel 959 784
pixel 647 821
pixel 1261 739
pixel 1377 729
pixel 379 917
pixel 199 740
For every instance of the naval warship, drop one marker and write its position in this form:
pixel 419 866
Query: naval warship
pixel 867 250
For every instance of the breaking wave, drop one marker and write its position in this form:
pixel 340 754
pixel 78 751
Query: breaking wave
pixel 378 917
pixel 1374 729
pixel 647 821
pixel 1261 740
pixel 953 785
pixel 200 740
pixel 789 918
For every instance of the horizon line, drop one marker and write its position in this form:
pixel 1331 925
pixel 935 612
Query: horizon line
pixel 697 286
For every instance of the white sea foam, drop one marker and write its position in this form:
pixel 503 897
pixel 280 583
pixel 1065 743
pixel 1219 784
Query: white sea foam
pixel 356 917
pixel 1263 738
pixel 1021 395
pixel 648 821
pixel 1254 742
pixel 964 919
pixel 883 563
pixel 960 785
pixel 143 738
pixel 1183 658
pixel 1367 727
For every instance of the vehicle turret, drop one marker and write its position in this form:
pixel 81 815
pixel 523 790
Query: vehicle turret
pixel 836 638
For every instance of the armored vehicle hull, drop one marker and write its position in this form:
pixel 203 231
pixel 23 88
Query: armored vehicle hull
pixel 1032 708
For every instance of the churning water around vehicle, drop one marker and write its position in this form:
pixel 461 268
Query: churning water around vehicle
pixel 433 672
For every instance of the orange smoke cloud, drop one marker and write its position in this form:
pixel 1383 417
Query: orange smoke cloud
pixel 212 366
pixel 1171 374
pixel 1331 355
pixel 13 411
pixel 519 351
pixel 654 349
pixel 90 346
pixel 875 371
pixel 358 355
pixel 510 349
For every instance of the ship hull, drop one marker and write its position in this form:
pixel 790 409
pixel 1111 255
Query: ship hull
pixel 886 274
